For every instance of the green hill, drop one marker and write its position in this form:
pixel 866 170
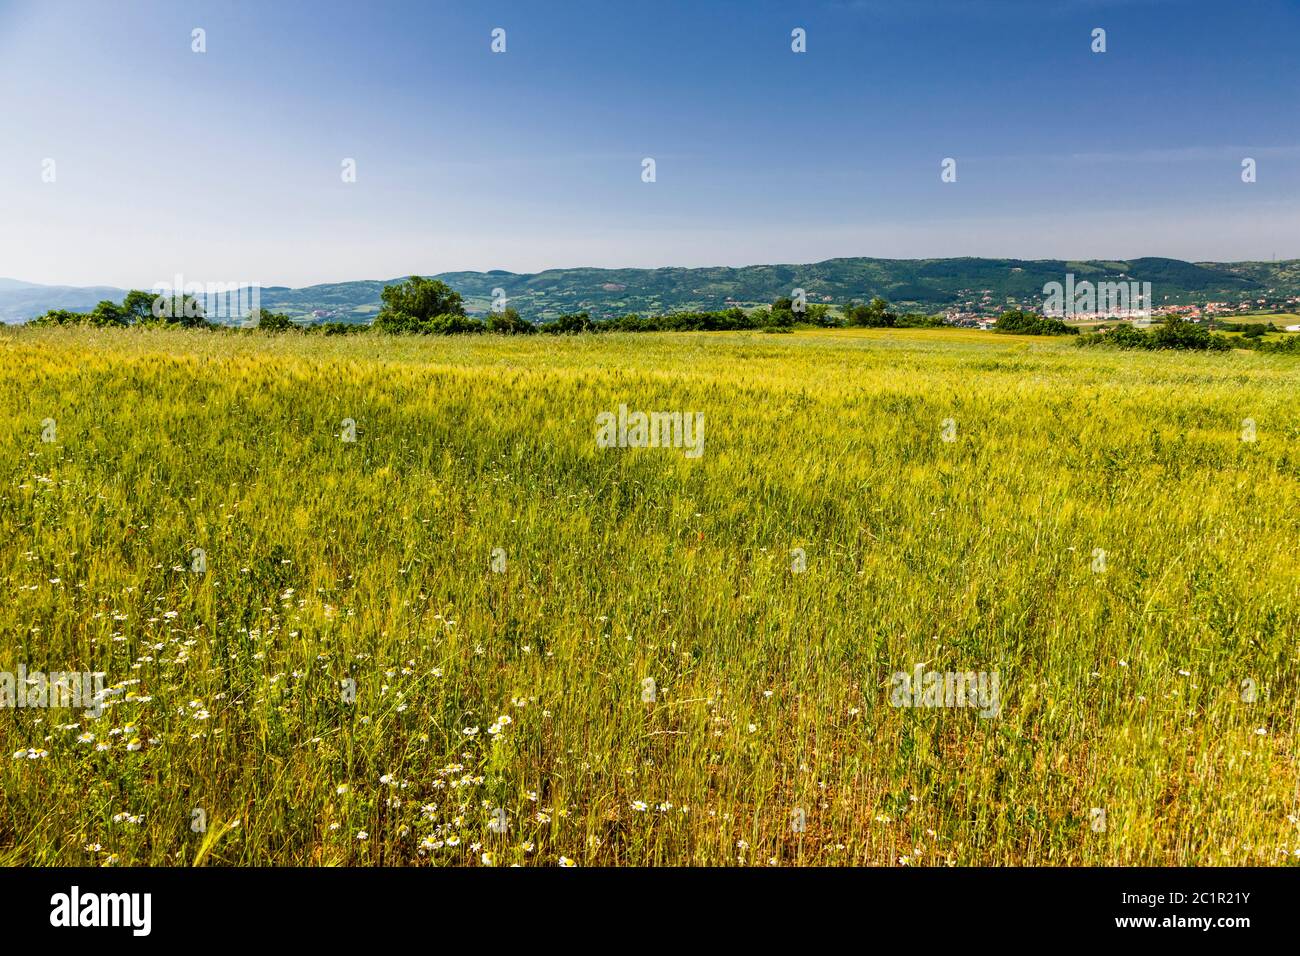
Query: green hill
pixel 923 284
pixel 927 285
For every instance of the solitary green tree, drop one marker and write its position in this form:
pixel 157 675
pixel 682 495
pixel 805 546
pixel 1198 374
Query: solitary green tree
pixel 410 305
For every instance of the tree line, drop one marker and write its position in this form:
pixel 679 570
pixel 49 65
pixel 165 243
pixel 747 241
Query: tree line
pixel 423 306
pixel 147 309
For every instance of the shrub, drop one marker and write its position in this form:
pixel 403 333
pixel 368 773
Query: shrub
pixel 1285 346
pixel 509 322
pixel 567 324
pixel 1173 333
pixel 271 321
pixel 1021 322
pixel 873 315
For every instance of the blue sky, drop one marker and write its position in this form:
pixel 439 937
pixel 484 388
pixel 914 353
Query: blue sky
pixel 225 165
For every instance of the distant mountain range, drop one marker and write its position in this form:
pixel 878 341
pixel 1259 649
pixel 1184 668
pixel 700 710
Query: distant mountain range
pixel 20 301
pixel 927 285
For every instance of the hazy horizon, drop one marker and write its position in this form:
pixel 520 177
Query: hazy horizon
pixel 742 265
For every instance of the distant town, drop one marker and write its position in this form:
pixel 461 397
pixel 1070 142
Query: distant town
pixel 978 310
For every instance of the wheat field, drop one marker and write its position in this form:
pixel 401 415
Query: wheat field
pixel 375 600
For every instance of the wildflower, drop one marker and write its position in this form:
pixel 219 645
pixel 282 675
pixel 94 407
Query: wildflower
pixel 640 806
pixel 363 835
pixel 566 862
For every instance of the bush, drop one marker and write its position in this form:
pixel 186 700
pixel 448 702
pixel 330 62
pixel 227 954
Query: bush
pixel 1122 337
pixel 919 320
pixel 1286 346
pixel 451 324
pixel 1173 333
pixel 567 324
pixel 873 315
pixel 820 316
pixel 728 320
pixel 336 328
pixel 271 321
pixel 1021 322
pixel 509 322
pixel 1176 333
pixel 60 317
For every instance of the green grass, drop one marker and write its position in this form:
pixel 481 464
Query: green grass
pixel 330 561
pixel 1280 319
